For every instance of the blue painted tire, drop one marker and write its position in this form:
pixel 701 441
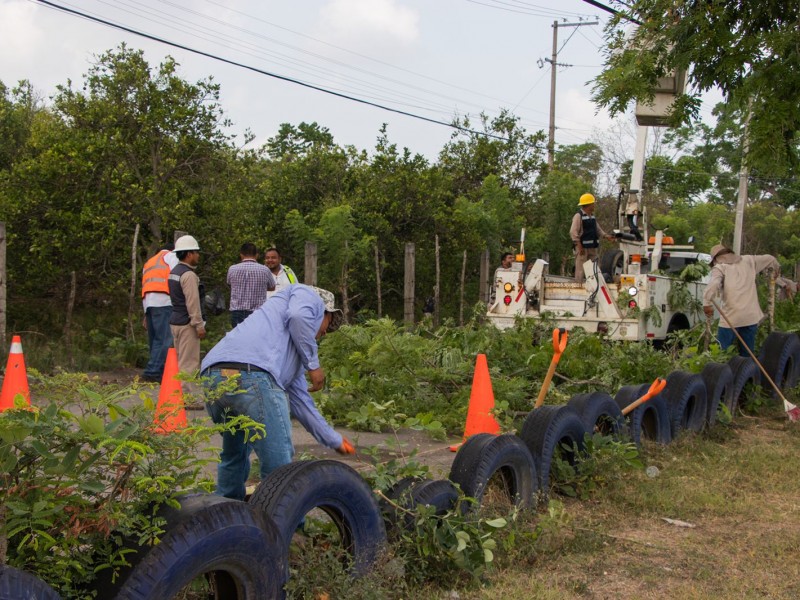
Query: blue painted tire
pixel 746 381
pixel 484 455
pixel 19 585
pixel 545 431
pixel 599 413
pixel 687 400
pixel 226 539
pixel 290 492
pixel 718 378
pixel 649 420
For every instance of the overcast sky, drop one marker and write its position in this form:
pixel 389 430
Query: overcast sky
pixel 434 58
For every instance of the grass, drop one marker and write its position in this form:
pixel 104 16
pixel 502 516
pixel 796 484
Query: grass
pixel 739 486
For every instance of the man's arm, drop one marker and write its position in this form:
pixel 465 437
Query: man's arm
pixel 189 284
pixel 303 408
pixel 575 230
pixel 713 288
pixel 766 261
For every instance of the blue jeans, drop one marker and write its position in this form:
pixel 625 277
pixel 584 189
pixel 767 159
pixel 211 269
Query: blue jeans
pixel 261 399
pixel 237 316
pixel 159 339
pixel 726 337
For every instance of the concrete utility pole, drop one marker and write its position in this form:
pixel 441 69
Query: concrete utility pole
pixel 744 174
pixel 551 140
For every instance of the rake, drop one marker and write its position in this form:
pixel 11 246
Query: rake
pixel 792 411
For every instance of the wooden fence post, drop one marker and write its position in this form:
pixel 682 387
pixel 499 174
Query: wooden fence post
pixel 378 279
pixel 3 279
pixel 437 286
pixel 461 299
pixel 310 272
pixel 408 285
pixel 483 295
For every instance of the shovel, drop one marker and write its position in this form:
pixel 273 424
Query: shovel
pixel 655 389
pixel 559 343
pixel 792 411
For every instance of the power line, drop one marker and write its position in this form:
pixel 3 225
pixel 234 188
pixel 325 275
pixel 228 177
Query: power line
pixel 275 75
pixel 613 11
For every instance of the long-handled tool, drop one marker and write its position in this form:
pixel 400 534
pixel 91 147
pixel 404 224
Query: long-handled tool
pixel 792 411
pixel 559 343
pixel 655 389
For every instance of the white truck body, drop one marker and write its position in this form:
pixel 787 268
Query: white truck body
pixel 594 304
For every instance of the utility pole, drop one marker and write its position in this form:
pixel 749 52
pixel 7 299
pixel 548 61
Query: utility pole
pixel 744 173
pixel 551 140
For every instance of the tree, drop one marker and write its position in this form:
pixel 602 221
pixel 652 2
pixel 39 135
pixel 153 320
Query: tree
pixel 747 49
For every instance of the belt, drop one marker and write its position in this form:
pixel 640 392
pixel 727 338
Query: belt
pixel 246 367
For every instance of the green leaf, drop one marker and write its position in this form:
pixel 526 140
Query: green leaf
pixel 92 424
pixel 497 523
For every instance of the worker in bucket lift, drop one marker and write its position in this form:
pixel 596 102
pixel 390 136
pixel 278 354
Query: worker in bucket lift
pixel 585 233
pixel 506 262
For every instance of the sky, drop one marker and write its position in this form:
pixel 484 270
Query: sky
pixel 433 58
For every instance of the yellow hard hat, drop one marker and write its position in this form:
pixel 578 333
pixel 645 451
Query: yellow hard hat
pixel 586 199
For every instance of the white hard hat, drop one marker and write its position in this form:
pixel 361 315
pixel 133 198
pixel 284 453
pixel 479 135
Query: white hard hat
pixel 186 242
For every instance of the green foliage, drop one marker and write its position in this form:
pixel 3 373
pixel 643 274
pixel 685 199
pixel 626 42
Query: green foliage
pixel 746 49
pixel 603 462
pixel 86 472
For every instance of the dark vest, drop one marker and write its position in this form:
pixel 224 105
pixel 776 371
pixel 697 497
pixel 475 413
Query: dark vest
pixel 589 228
pixel 180 315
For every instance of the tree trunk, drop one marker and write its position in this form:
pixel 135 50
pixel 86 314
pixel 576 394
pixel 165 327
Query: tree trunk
pixel 484 291
pixel 378 279
pixel 132 296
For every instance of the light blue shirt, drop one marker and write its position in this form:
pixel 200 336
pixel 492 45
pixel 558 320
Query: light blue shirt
pixel 280 337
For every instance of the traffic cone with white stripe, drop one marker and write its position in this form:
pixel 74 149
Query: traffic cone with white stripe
pixel 15 381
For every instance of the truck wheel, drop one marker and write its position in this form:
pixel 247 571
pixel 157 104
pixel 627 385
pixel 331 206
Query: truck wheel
pixel 612 263
pixel 550 431
pixel 780 357
pixel 485 455
pixel 687 400
pixel 718 378
pixel 650 419
pixel 599 413
pixel 17 585
pixel 290 492
pixel 237 548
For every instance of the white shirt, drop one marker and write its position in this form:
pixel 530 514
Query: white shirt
pixel 159 299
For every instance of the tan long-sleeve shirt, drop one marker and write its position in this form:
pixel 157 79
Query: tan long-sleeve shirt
pixel 734 278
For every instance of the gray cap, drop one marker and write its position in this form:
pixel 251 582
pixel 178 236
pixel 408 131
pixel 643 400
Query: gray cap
pixel 329 301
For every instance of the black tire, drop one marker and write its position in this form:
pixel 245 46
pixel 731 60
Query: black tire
pixel 718 378
pixel 239 547
pixel 746 379
pixel 438 493
pixel 649 420
pixel 545 431
pixel 687 400
pixel 291 491
pixel 780 357
pixel 484 455
pixel 19 585
pixel 600 413
pixel 612 263
pixel 396 495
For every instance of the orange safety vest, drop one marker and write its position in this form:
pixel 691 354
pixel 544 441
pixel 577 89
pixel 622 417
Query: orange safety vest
pixel 155 274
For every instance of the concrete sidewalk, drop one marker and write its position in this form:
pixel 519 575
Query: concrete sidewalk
pixel 435 454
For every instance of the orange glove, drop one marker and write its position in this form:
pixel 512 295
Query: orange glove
pixel 346 447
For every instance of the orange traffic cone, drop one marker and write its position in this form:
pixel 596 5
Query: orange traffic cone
pixel 16 379
pixel 170 411
pixel 481 403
